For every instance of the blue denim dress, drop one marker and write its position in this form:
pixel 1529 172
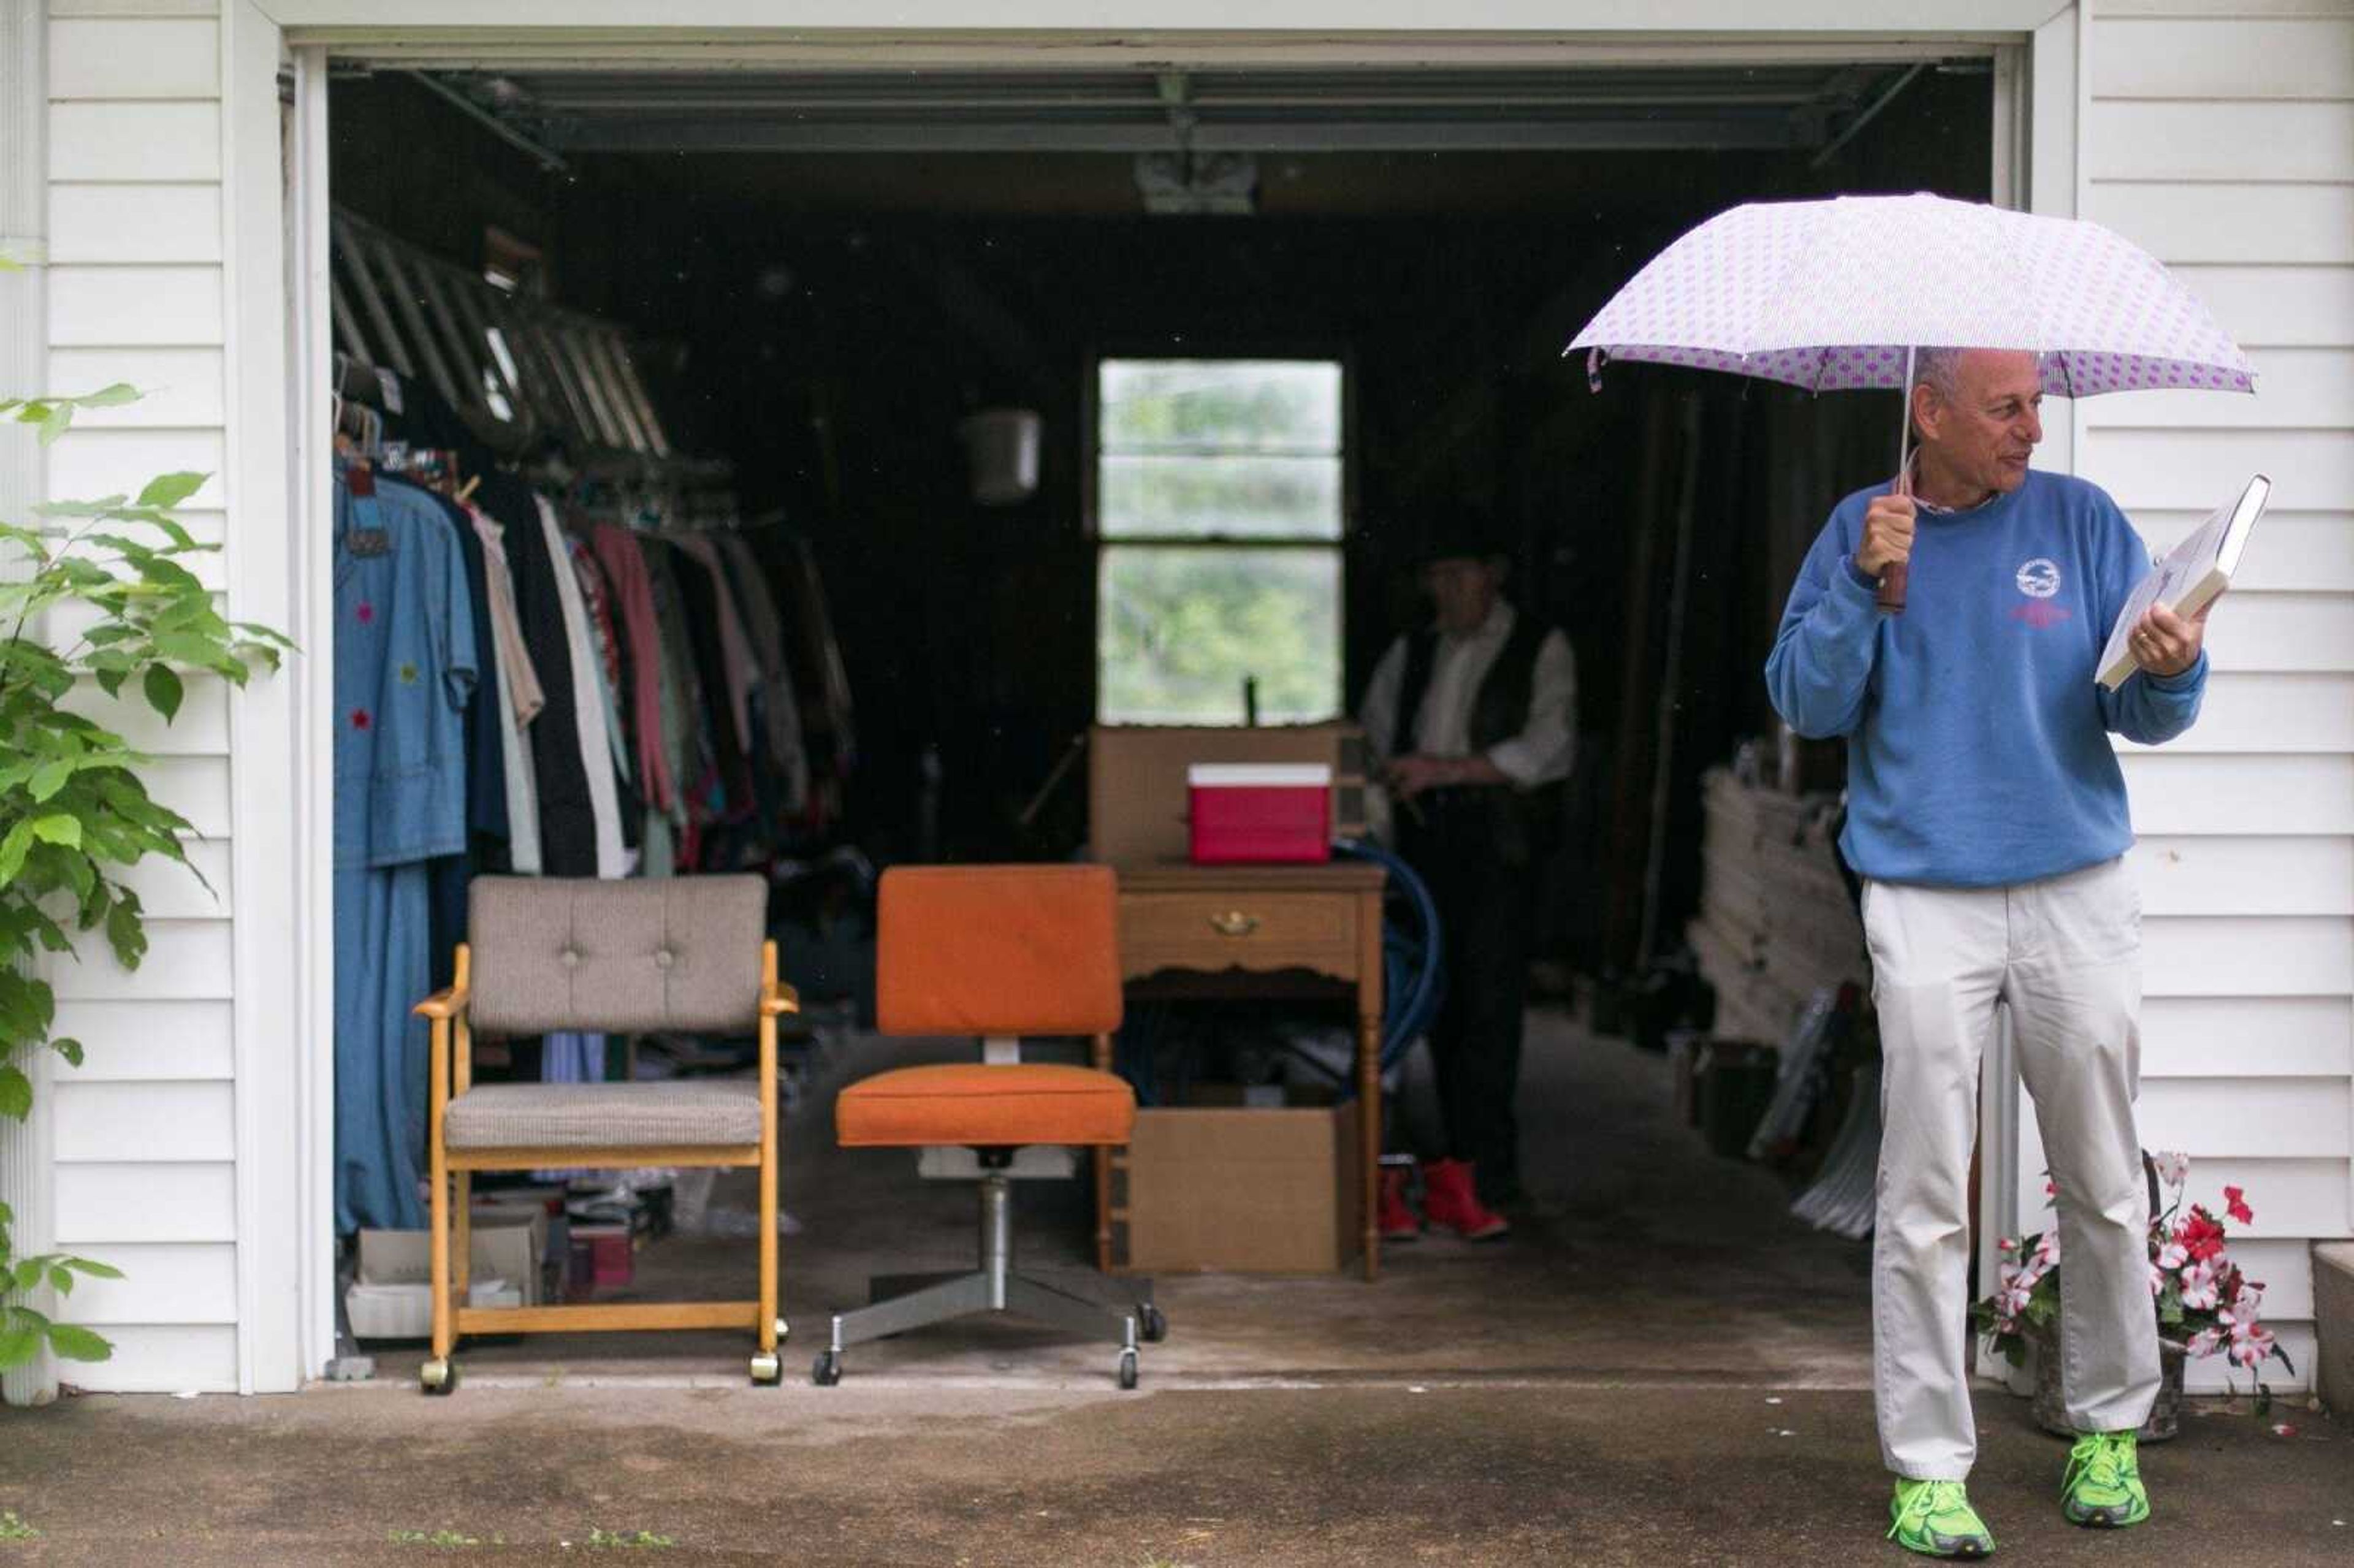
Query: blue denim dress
pixel 405 662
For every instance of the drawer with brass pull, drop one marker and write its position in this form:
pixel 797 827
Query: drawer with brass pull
pixel 1229 928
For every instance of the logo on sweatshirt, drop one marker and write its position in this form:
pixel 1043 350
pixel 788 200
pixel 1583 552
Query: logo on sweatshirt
pixel 2040 578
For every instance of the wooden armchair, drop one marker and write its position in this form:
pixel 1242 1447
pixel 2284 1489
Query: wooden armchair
pixel 554 954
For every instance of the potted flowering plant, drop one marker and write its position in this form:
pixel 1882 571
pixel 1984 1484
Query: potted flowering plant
pixel 2205 1305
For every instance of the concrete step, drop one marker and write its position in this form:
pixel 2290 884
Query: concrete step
pixel 2333 1310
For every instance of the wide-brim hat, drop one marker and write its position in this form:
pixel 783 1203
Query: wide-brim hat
pixel 1464 533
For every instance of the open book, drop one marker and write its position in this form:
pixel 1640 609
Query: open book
pixel 2188 576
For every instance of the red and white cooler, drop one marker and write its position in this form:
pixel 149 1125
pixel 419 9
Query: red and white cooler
pixel 1262 812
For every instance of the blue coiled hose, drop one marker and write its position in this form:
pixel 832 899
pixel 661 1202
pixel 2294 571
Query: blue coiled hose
pixel 1413 960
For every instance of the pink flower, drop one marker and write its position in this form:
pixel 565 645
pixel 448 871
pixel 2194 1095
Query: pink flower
pixel 2204 1343
pixel 2173 1256
pixel 2200 1287
pixel 2250 1349
pixel 2235 1204
pixel 2173 1169
pixel 2157 1281
pixel 2018 1286
pixel 2047 1250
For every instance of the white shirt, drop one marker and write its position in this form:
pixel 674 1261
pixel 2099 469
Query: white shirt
pixel 1541 754
pixel 596 750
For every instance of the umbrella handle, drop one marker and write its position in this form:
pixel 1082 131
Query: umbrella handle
pixel 1893 575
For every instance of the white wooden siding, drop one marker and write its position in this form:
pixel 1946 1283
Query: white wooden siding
pixel 2224 142
pixel 157 1358
pixel 2245 1037
pixel 200 1279
pixel 93 306
pixel 2276 306
pixel 2311 875
pixel 146 1173
pixel 2186 793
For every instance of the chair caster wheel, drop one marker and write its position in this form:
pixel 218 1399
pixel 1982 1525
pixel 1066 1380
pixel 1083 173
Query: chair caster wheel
pixel 1151 1323
pixel 826 1371
pixel 1128 1369
pixel 767 1369
pixel 438 1376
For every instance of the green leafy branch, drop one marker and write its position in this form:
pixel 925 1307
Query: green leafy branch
pixel 74 811
pixel 55 415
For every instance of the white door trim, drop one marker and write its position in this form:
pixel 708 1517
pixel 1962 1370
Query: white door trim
pixel 268 847
pixel 28 1177
pixel 315 784
pixel 1344 24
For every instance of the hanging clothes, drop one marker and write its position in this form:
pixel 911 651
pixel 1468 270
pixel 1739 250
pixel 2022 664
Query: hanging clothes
pixel 781 710
pixel 726 796
pixel 520 699
pixel 486 800
pixel 684 715
pixel 567 819
pixel 406 667
pixel 625 570
pixel 740 669
pixel 612 648
pixel 610 857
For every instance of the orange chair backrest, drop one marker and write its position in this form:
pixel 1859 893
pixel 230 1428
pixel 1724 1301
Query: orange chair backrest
pixel 998 949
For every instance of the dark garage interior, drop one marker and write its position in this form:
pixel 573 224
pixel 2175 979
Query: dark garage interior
pixel 824 274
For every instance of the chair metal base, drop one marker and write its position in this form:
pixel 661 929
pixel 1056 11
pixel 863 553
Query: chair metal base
pixel 991 1287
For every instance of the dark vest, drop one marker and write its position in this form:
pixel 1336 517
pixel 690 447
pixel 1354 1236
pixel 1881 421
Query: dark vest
pixel 1520 820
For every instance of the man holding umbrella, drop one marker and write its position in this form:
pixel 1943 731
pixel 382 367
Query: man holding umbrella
pixel 1986 813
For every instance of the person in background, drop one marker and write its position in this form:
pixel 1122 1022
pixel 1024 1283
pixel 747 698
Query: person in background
pixel 1473 721
pixel 1986 817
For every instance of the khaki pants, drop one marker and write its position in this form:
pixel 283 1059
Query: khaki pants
pixel 2064 955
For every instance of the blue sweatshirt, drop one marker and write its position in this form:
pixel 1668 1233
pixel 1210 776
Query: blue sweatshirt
pixel 1978 753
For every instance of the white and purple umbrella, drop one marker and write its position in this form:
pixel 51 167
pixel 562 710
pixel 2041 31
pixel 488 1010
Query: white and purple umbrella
pixel 1835 295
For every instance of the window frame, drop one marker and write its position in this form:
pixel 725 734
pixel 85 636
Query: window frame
pixel 1322 351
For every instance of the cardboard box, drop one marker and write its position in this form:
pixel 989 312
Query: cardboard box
pixel 405 1310
pixel 1136 780
pixel 508 1244
pixel 1249 1191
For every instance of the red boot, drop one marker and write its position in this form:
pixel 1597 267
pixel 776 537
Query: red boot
pixel 1451 1199
pixel 1399 1223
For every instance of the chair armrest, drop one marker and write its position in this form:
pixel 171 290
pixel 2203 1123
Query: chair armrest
pixel 778 999
pixel 442 1003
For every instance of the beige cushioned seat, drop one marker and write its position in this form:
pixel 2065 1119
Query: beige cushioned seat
pixel 697 1112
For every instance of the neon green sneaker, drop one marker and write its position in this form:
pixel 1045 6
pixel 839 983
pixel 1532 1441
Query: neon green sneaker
pixel 1934 1519
pixel 2101 1489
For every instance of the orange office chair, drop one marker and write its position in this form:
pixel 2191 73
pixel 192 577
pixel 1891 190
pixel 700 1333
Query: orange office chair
pixel 998 952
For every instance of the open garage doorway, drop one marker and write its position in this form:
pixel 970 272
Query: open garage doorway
pixel 817 297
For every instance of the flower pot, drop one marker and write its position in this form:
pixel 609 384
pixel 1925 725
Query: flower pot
pixel 2052 1406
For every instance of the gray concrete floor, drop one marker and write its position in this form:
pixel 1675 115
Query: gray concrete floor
pixel 1659 1368
pixel 1640 1257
